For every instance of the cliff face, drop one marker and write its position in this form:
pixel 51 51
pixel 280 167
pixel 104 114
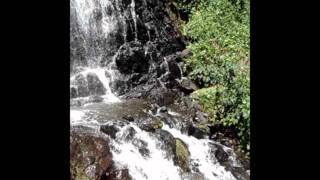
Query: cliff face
pixel 131 38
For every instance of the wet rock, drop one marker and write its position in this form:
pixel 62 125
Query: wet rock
pixel 154 109
pixel 95 86
pixel 122 174
pixel 199 131
pixel 240 173
pixel 95 99
pixel 224 158
pixel 187 86
pixel 200 117
pixel 109 129
pixel 90 156
pixel 151 124
pixel 163 109
pixel 185 53
pixel 129 134
pixel 121 86
pixel 169 120
pixel 162 96
pixel 142 147
pixel 220 154
pixel 82 86
pixel 77 102
pixel 182 155
pixel 131 59
pixel 174 69
pixel 128 118
pixel 168 143
pixel 184 14
pixel 73 92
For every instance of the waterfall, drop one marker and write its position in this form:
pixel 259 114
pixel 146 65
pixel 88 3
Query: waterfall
pixel 95 23
pixel 134 17
pixel 126 42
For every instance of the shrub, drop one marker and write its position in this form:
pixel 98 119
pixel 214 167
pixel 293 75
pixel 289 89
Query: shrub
pixel 219 30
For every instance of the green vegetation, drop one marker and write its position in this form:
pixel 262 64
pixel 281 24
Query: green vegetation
pixel 219 33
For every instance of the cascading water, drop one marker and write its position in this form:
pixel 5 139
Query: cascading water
pixel 127 41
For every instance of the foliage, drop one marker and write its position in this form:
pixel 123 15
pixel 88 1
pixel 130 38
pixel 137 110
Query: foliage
pixel 219 30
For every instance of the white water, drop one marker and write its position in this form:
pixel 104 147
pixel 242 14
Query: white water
pixel 134 16
pixel 76 116
pixel 109 97
pixel 85 10
pixel 200 153
pixel 155 167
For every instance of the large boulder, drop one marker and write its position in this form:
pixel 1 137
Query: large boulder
pixel 199 131
pixel 182 155
pixel 95 86
pixel 82 85
pixel 90 155
pixel 187 86
pixel 150 124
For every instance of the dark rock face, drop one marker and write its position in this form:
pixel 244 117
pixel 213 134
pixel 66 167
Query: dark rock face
pixel 238 171
pixel 132 59
pixel 162 96
pixel 90 156
pixel 220 154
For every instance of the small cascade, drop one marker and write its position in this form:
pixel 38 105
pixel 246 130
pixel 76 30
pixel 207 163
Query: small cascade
pixel 93 87
pixel 200 155
pixel 144 154
pixel 134 17
pixel 147 165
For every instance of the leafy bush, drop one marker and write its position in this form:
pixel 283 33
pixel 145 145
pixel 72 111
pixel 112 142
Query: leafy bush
pixel 219 30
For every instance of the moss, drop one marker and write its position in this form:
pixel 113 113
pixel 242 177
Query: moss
pixel 157 124
pixel 77 172
pixel 182 155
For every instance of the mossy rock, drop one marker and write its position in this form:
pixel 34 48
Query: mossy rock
pixel 182 155
pixel 151 124
pixel 90 155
